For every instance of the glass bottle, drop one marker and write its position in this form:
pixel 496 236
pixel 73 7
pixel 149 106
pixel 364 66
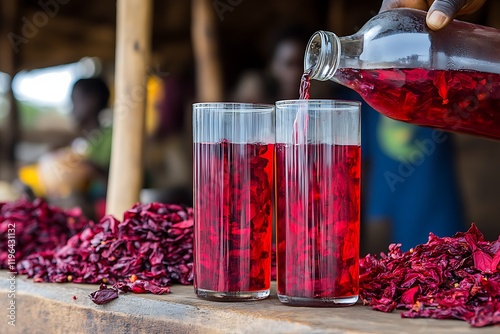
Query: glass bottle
pixel 447 79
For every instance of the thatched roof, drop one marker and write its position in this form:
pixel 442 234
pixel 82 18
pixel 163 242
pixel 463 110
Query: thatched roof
pixel 51 32
pixel 71 29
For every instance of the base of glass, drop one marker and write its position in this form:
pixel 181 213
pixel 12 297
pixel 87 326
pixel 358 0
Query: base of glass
pixel 318 302
pixel 232 296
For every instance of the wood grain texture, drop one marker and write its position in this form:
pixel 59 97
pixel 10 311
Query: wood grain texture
pixel 50 308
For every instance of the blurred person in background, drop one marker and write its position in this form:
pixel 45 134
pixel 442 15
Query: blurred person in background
pixel 281 79
pixel 93 119
pixel 167 165
pixel 77 175
pixel 287 61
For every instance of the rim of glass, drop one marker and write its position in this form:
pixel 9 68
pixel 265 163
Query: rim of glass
pixel 322 104
pixel 233 106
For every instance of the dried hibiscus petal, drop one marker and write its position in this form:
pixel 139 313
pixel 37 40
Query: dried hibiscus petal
pixel 482 261
pixel 410 295
pixel 142 286
pixel 446 278
pixel 104 295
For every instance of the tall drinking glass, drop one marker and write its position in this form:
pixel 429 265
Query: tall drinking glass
pixel 233 190
pixel 318 156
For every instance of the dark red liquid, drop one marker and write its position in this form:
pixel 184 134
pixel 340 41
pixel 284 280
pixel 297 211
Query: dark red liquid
pixel 318 203
pixel 302 119
pixel 233 186
pixel 459 101
pixel 305 85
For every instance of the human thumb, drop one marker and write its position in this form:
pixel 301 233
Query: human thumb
pixel 442 12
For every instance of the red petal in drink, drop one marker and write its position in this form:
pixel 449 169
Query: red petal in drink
pixel 233 216
pixel 459 101
pixel 318 202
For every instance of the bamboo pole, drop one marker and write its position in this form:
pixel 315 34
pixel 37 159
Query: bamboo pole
pixel 8 15
pixel 336 17
pixel 206 54
pixel 494 14
pixel 8 64
pixel 133 43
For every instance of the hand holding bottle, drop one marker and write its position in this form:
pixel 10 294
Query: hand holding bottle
pixel 410 73
pixel 440 12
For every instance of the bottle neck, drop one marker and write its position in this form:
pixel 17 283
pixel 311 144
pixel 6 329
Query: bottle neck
pixel 322 55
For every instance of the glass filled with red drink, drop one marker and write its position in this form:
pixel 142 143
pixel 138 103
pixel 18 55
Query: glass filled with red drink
pixel 317 171
pixel 233 189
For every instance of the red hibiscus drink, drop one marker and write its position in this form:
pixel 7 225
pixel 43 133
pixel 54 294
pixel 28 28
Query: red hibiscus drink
pixel 233 190
pixel 461 101
pixel 317 171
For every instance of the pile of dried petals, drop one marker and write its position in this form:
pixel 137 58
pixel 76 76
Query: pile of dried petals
pixel 28 227
pixel 149 250
pixel 447 278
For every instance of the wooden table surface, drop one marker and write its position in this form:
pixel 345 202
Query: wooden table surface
pixel 50 308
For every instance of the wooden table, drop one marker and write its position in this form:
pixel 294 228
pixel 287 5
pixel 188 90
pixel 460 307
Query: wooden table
pixel 50 308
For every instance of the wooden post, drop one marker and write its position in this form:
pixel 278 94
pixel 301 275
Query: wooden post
pixel 209 86
pixel 10 135
pixel 133 43
pixel 336 17
pixel 494 14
